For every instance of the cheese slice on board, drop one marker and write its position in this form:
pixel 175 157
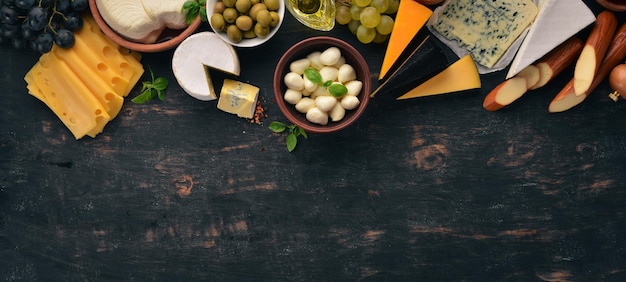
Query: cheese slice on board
pixel 410 18
pixel 556 21
pixel 195 55
pixel 461 75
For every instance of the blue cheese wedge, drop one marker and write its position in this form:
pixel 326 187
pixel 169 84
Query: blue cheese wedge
pixel 557 21
pixel 486 28
pixel 238 98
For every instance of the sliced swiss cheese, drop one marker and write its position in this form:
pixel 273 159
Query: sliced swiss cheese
pixel 556 21
pixel 461 75
pixel 410 19
pixel 194 57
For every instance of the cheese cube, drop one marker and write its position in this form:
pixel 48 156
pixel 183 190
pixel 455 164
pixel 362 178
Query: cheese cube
pixel 238 98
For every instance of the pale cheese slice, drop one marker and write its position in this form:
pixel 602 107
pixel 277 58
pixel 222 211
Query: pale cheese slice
pixel 556 21
pixel 195 55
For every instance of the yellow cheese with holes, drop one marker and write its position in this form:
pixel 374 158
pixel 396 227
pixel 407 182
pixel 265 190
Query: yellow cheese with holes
pixel 461 75
pixel 238 98
pixel 85 85
pixel 68 97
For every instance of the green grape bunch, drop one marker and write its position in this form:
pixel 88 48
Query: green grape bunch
pixel 370 20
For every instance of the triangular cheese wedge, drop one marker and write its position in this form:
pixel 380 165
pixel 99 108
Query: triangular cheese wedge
pixel 410 18
pixel 556 21
pixel 461 75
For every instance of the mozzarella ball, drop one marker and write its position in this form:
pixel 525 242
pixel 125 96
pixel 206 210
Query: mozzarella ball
pixel 292 96
pixel 340 62
pixel 299 66
pixel 330 56
pixel 305 104
pixel 325 103
pixel 315 115
pixel 337 112
pixel 309 86
pixel 354 87
pixel 350 102
pixel 294 81
pixel 314 59
pixel 346 73
pixel 329 73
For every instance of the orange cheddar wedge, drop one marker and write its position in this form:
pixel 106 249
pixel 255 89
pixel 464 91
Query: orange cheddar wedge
pixel 410 19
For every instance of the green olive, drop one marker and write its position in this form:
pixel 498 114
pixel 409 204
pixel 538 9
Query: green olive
pixel 243 6
pixel 263 18
pixel 219 7
pixel 248 34
pixel 230 15
pixel 229 3
pixel 253 2
pixel 244 23
pixel 275 19
pixel 261 31
pixel 218 22
pixel 272 5
pixel 255 9
pixel 233 33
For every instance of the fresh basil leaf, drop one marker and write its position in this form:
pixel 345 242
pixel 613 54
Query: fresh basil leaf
pixel 188 4
pixel 277 126
pixel 203 15
pixel 141 98
pixel 327 83
pixel 337 90
pixel 160 83
pixel 161 95
pixel 313 75
pixel 292 141
pixel 302 132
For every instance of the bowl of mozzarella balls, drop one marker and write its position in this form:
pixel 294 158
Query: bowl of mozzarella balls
pixel 322 84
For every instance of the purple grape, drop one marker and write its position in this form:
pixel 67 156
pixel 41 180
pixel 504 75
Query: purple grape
pixel 37 18
pixel 64 38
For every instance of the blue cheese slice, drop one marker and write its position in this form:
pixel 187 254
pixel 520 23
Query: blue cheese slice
pixel 486 28
pixel 238 98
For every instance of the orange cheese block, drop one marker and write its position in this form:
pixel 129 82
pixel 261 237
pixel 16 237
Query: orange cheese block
pixel 54 83
pixel 461 75
pixel 410 19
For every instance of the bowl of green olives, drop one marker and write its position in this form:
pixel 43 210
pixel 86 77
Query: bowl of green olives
pixel 245 23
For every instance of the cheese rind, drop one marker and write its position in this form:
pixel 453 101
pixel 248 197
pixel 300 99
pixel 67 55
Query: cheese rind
pixel 485 28
pixel 461 75
pixel 238 98
pixel 195 55
pixel 410 19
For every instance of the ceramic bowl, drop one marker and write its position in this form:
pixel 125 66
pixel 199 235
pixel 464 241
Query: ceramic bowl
pixel 301 50
pixel 252 42
pixel 167 40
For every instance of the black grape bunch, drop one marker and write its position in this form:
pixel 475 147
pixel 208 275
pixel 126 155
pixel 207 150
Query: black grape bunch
pixel 39 24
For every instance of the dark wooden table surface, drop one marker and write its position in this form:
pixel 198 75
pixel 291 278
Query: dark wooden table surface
pixel 438 189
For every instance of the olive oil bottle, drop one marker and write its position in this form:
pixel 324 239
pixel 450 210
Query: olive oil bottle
pixel 316 14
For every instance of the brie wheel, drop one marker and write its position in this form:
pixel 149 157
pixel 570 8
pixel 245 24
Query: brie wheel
pixel 194 57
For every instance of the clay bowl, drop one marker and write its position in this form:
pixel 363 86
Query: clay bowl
pixel 303 49
pixel 251 42
pixel 167 40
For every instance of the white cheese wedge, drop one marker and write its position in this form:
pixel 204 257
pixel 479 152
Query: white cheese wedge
pixel 556 21
pixel 194 57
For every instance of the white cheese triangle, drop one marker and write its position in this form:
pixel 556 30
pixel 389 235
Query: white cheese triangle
pixel 557 21
pixel 197 53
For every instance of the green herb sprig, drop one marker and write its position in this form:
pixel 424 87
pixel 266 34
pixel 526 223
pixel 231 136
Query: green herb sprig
pixel 193 8
pixel 294 132
pixel 335 89
pixel 151 89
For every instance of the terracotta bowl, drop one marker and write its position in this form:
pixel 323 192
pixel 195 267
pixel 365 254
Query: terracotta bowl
pixel 167 40
pixel 252 42
pixel 301 50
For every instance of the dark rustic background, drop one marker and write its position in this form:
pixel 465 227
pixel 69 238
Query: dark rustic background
pixel 438 189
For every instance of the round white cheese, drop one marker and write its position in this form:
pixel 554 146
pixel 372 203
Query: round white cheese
pixel 129 19
pixel 195 55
